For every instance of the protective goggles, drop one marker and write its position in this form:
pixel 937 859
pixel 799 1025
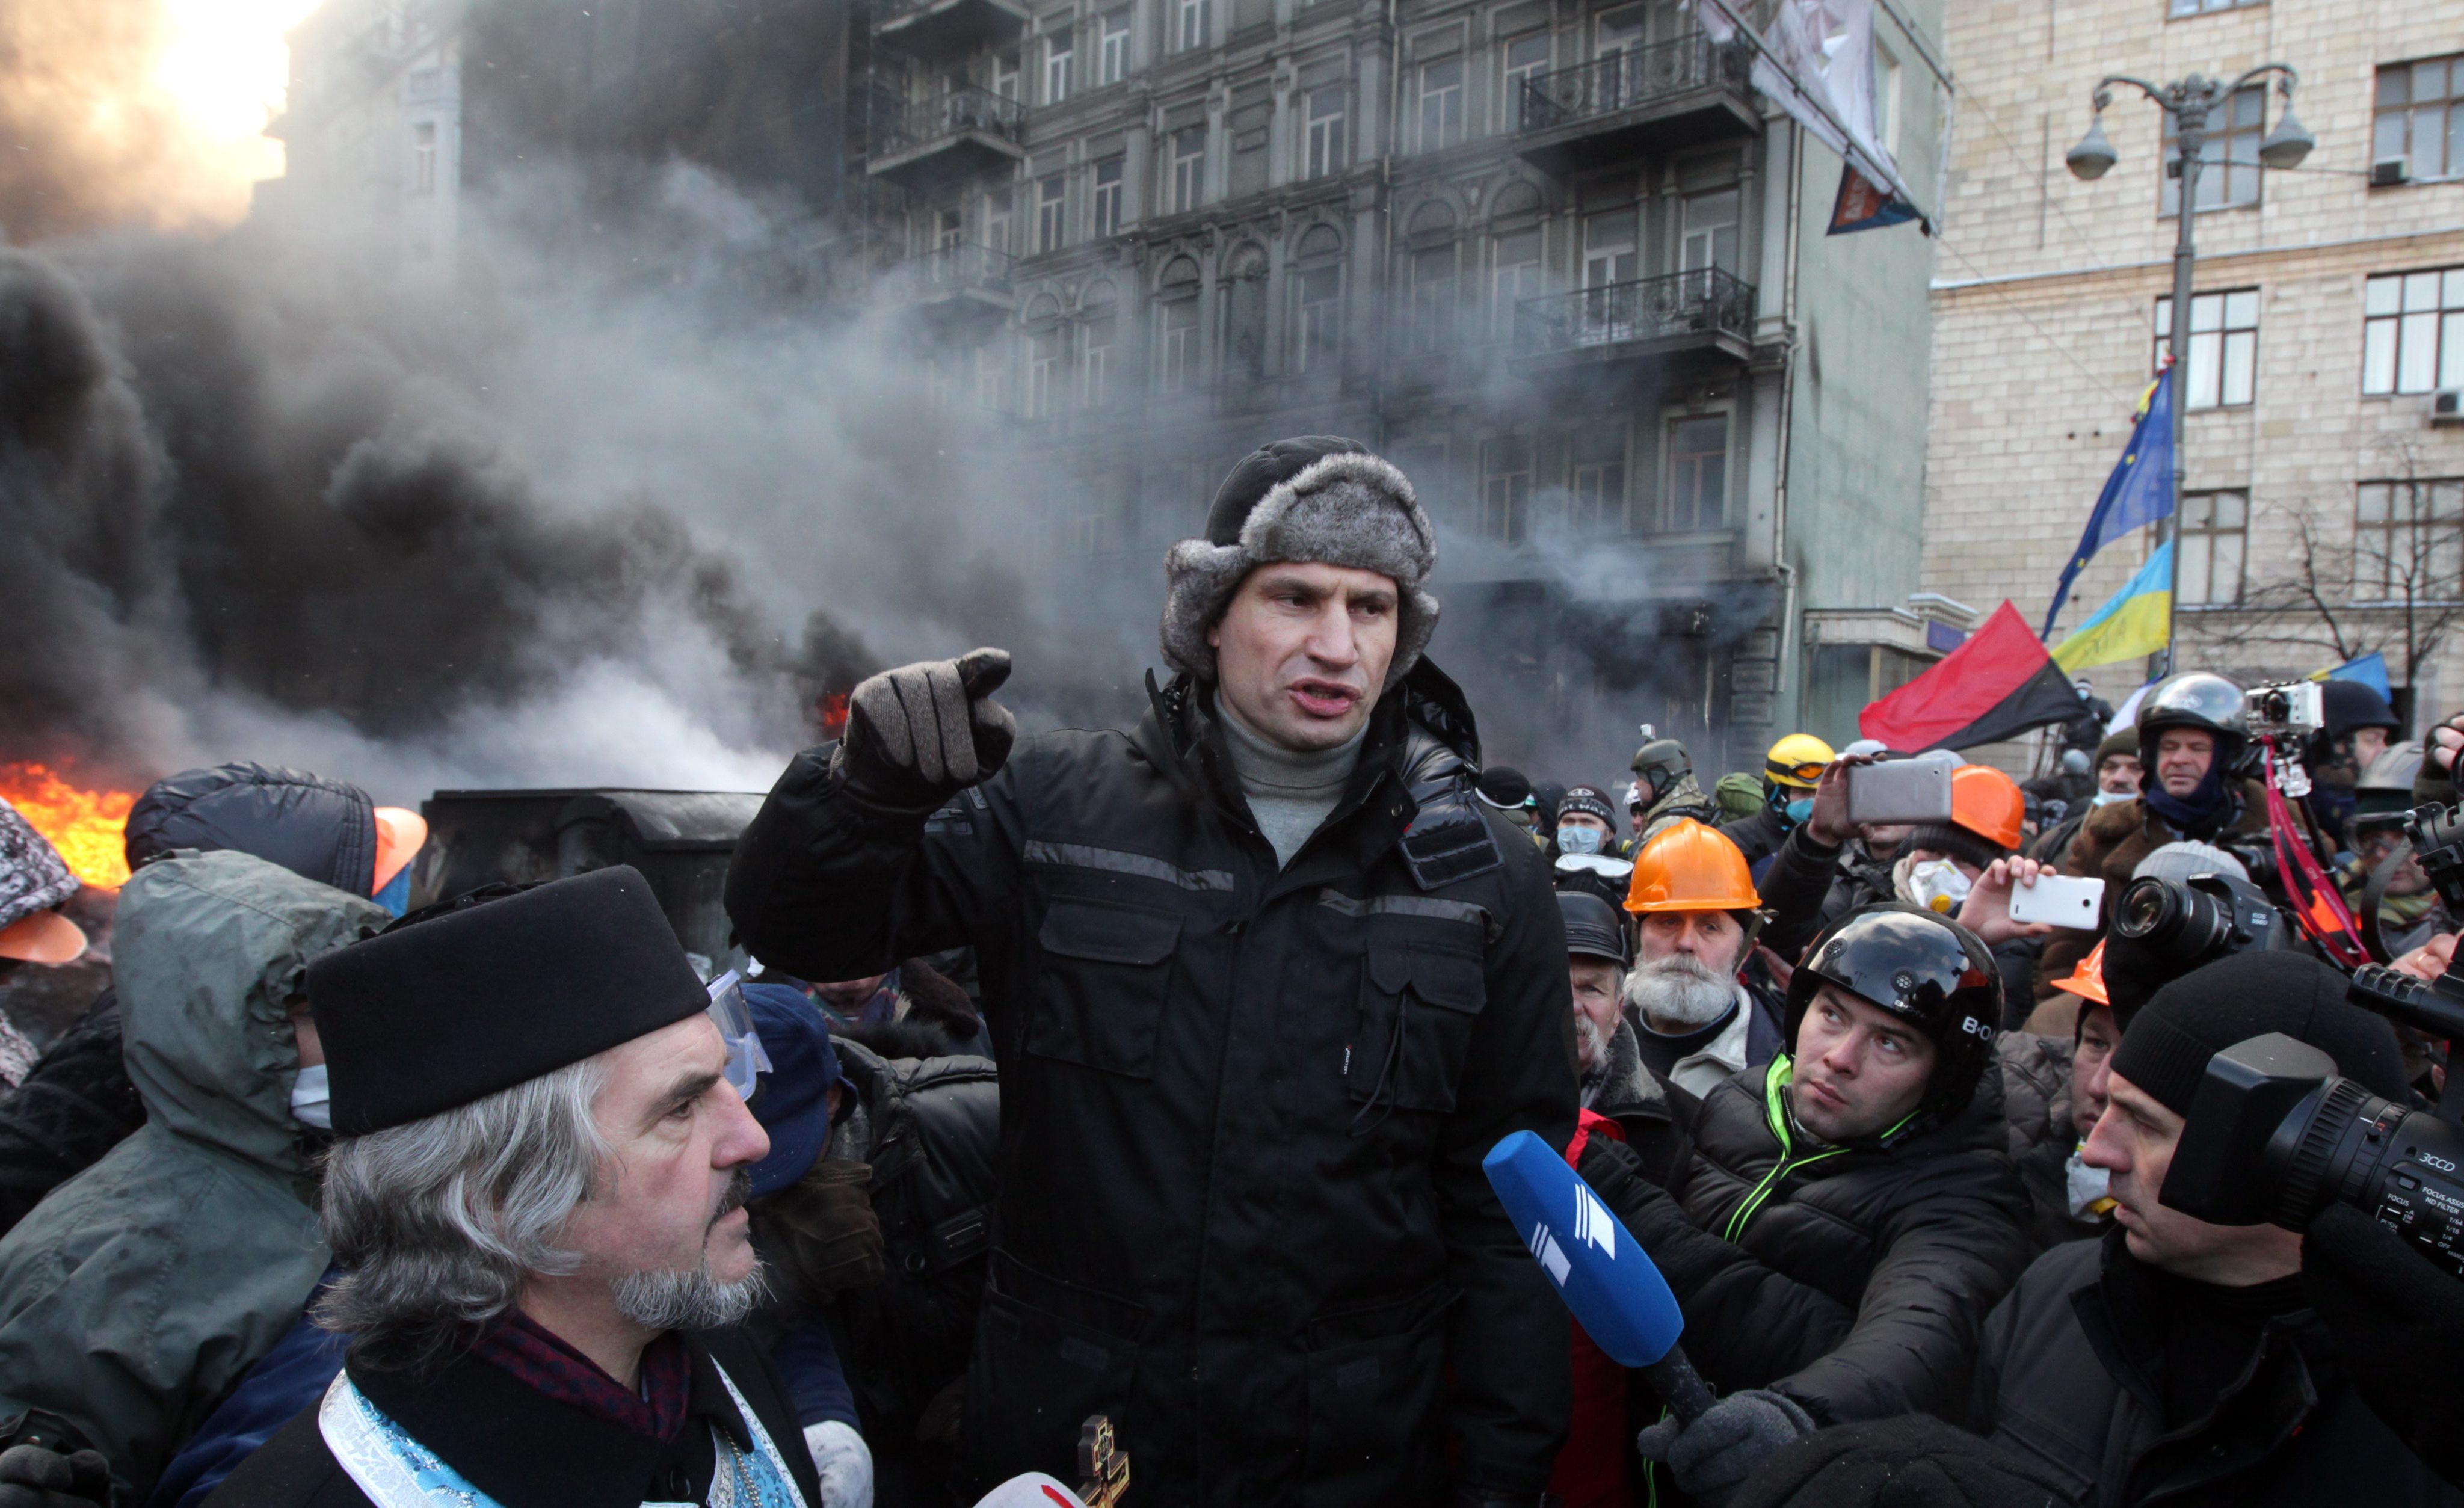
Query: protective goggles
pixel 1806 773
pixel 746 1060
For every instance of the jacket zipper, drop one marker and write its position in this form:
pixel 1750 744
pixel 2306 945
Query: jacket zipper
pixel 1775 1080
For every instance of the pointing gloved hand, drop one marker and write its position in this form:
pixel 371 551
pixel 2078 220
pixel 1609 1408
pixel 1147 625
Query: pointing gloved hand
pixel 2397 1324
pixel 31 1476
pixel 830 1240
pixel 916 734
pixel 1713 1455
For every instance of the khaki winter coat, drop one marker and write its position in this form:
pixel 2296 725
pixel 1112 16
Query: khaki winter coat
pixel 137 1293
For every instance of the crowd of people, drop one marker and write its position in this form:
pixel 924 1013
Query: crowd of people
pixel 1146 1077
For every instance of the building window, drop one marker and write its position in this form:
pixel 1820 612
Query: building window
pixel 1006 75
pixel 1180 345
pixel 1114 64
pixel 2182 8
pixel 1697 474
pixel 1050 196
pixel 1888 78
pixel 1047 351
pixel 1514 275
pixel 1609 254
pixel 1188 167
pixel 1192 30
pixel 2223 369
pixel 1317 333
pixel 423 157
pixel 2215 533
pixel 1107 197
pixel 992 377
pixel 1600 479
pixel 1710 235
pixel 1095 350
pixel 1057 48
pixel 1429 324
pixel 1506 489
pixel 2408 541
pixel 2413 332
pixel 997 220
pixel 2228 165
pixel 2420 117
pixel 1526 57
pixel 1442 104
pixel 1326 131
pixel 947 230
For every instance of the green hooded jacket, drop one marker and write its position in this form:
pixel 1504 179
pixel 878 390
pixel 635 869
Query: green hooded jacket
pixel 137 1293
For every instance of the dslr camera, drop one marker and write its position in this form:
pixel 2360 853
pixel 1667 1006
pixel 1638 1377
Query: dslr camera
pixel 2186 923
pixel 2275 1134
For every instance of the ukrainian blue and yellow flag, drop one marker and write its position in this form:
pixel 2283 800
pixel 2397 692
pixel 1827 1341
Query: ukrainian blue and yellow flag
pixel 2134 621
pixel 2138 492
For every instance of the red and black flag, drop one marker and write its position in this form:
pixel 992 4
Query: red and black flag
pixel 1997 684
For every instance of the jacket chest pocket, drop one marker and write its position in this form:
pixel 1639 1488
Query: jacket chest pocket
pixel 1417 1006
pixel 1107 974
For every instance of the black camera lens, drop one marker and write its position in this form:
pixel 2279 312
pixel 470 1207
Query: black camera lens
pixel 2174 918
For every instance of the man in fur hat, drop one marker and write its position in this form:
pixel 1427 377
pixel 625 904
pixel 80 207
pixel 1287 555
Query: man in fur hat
pixel 1266 982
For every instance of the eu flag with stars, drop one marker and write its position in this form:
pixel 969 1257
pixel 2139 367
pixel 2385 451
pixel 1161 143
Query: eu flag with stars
pixel 2138 492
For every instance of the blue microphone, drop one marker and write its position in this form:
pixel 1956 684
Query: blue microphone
pixel 1601 1271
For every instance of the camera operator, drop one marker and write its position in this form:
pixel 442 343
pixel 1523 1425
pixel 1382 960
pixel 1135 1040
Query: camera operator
pixel 2192 732
pixel 2180 1360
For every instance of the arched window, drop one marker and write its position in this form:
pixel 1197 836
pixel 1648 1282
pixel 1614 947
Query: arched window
pixel 1099 329
pixel 1516 201
pixel 1434 217
pixel 1429 288
pixel 1514 255
pixel 1177 326
pixel 1317 302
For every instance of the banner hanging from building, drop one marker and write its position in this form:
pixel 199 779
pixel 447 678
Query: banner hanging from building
pixel 1816 61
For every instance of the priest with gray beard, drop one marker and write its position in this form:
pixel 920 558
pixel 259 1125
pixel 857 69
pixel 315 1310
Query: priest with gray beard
pixel 536 1195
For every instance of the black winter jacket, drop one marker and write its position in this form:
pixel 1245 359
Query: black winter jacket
pixel 1853 1279
pixel 1244 1109
pixel 2071 1373
pixel 1757 837
pixel 76 1105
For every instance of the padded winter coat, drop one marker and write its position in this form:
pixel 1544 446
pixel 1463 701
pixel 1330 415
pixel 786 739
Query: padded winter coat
pixel 135 1296
pixel 1243 1107
pixel 1854 1280
pixel 2071 1374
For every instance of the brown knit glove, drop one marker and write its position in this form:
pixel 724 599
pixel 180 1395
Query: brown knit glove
pixel 829 1237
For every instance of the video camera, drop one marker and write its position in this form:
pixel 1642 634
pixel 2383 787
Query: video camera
pixel 2275 1134
pixel 2290 712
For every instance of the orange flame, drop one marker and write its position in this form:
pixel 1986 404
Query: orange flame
pixel 84 825
pixel 833 714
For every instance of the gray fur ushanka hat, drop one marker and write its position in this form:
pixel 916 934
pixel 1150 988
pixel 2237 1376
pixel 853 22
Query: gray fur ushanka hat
pixel 1320 498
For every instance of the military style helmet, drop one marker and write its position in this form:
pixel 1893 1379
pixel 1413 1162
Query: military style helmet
pixel 2195 699
pixel 1926 970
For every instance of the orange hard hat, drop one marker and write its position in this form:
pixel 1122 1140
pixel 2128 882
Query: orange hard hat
pixel 400 833
pixel 1691 868
pixel 42 938
pixel 2087 980
pixel 1987 804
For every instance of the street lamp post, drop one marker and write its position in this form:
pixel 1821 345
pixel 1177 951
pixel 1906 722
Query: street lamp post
pixel 2189 101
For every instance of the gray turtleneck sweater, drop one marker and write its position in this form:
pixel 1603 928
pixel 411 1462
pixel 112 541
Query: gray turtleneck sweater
pixel 1290 793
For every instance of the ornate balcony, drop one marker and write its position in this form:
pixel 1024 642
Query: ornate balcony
pixel 1706 311
pixel 954 284
pixel 954 135
pixel 1636 103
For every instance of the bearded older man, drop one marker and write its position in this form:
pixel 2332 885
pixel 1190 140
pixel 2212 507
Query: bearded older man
pixel 537 1197
pixel 1695 1021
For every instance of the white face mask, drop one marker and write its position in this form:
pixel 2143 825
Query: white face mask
pixel 1937 884
pixel 2108 797
pixel 1579 839
pixel 311 1101
pixel 2087 1186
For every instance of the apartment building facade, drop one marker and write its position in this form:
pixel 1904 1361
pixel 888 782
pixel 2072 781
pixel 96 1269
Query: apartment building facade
pixel 2323 509
pixel 1555 257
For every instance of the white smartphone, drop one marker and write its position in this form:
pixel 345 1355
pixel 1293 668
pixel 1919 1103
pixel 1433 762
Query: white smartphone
pixel 2061 899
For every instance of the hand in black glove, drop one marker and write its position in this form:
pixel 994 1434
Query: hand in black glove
pixel 31 1476
pixel 1713 1455
pixel 2397 1322
pixel 829 1238
pixel 916 734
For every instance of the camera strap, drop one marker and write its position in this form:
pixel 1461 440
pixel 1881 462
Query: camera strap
pixel 2316 904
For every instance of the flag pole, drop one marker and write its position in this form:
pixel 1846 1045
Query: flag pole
pixel 2191 137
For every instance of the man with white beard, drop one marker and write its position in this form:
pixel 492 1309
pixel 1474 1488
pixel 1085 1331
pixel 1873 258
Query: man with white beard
pixel 1695 1022
pixel 1651 1113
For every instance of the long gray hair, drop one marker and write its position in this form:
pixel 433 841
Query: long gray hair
pixel 439 1223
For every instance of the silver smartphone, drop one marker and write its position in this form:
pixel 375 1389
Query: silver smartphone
pixel 2063 900
pixel 1897 790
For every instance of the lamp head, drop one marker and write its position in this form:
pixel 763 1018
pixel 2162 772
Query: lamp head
pixel 2289 143
pixel 2094 157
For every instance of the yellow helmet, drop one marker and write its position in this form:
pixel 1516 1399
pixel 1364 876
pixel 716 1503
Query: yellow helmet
pixel 1797 759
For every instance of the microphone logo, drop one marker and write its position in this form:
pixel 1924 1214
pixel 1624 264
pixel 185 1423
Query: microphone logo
pixel 1593 1225
pixel 1544 1246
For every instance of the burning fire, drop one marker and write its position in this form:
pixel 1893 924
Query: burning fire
pixel 84 825
pixel 832 711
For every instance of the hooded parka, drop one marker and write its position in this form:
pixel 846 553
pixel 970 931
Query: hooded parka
pixel 134 1297
pixel 1242 1108
pixel 1855 1279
